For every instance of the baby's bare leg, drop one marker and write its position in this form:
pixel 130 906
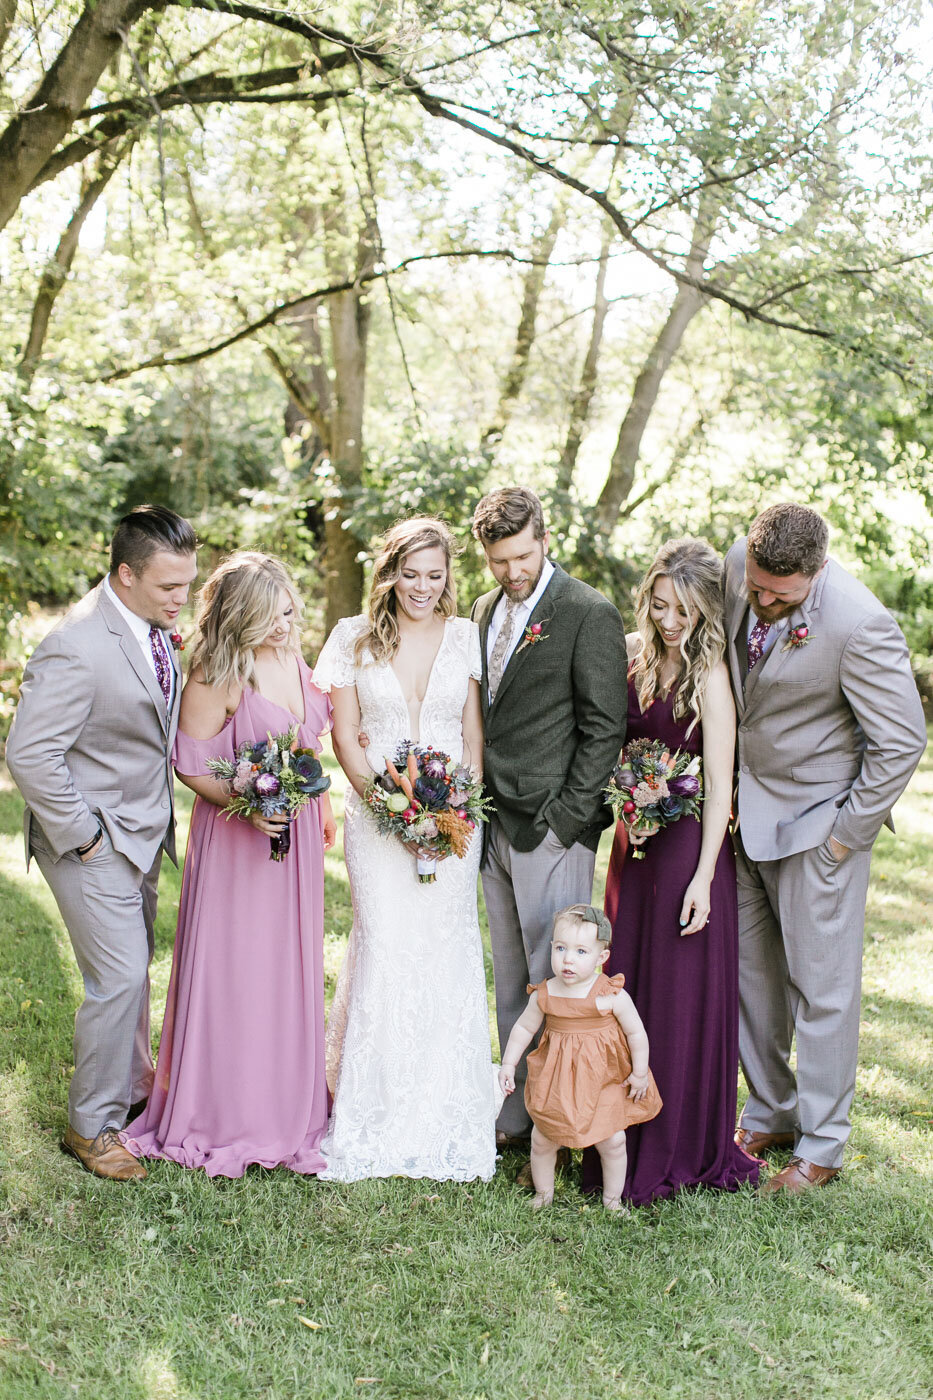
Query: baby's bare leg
pixel 543 1163
pixel 613 1157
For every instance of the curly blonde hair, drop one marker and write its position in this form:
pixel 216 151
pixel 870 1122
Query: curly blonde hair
pixel 381 637
pixel 236 609
pixel 696 574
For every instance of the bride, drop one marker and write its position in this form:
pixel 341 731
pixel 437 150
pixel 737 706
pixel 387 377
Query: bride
pixel 409 1059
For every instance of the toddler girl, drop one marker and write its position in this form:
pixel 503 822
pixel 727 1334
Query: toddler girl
pixel 593 1049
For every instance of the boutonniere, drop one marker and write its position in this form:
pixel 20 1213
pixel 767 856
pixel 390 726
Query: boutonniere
pixel 176 640
pixel 533 633
pixel 798 637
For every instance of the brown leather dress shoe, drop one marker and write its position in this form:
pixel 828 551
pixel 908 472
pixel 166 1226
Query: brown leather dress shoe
pixel 796 1177
pixel 104 1155
pixel 562 1165
pixel 757 1144
pixel 505 1142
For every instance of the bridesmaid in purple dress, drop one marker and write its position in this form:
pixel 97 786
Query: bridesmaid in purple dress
pixel 240 1073
pixel 674 913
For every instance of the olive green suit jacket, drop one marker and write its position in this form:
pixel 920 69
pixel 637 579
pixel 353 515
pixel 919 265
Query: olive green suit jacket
pixel 554 730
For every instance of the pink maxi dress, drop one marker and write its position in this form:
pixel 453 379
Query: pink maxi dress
pixel 240 1072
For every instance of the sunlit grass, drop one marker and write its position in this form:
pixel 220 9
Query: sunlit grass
pixel 188 1289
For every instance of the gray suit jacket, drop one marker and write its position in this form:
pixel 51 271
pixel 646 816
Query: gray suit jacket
pixel 554 730
pixel 828 733
pixel 91 739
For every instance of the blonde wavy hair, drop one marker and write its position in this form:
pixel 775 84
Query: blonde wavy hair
pixel 696 574
pixel 381 638
pixel 236 609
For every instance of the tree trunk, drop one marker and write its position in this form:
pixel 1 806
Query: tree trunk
pixel 525 335
pixel 7 16
pixel 686 304
pixel 580 406
pixel 35 131
pixel 349 332
pixel 56 272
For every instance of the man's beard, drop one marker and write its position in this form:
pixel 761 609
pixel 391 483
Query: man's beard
pixel 775 613
pixel 528 588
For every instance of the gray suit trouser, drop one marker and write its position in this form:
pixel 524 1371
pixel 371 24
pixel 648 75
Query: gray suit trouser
pixel 801 927
pixel 109 907
pixel 523 891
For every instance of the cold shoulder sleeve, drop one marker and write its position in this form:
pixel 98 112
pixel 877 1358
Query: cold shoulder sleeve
pixel 336 665
pixel 190 756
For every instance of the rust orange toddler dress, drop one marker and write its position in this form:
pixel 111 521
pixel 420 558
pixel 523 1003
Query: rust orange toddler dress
pixel 575 1088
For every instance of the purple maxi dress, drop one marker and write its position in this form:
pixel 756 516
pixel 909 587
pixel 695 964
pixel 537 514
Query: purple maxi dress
pixel 686 992
pixel 240 1073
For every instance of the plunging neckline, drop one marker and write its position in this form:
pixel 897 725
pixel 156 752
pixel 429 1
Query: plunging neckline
pixel 284 708
pixel 427 689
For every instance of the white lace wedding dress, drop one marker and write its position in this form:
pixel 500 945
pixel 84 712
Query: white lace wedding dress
pixel 409 1060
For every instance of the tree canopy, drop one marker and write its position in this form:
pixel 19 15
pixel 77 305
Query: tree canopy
pixel 301 268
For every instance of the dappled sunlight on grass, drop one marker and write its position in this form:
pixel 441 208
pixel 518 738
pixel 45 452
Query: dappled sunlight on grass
pixel 185 1288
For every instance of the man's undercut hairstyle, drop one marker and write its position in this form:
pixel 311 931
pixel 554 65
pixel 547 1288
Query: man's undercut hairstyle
pixel 505 513
pixel 789 539
pixel 145 531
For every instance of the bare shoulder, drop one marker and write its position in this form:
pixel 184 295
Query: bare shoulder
pixel 204 707
pixel 634 644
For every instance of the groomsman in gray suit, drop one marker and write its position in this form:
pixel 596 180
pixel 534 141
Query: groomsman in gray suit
pixel 830 729
pixel 90 750
pixel 554 706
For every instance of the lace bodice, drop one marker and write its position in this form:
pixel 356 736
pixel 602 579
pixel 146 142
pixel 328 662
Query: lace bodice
pixel 384 712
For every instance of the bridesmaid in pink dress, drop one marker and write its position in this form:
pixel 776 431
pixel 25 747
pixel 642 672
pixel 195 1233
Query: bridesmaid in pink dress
pixel 240 1074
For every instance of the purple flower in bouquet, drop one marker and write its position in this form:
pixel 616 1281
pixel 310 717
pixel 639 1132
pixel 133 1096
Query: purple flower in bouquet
pixel 671 806
pixel 684 786
pixel 432 791
pixel 268 785
pixel 307 768
pixel 435 767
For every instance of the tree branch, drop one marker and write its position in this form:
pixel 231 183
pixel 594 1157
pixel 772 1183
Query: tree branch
pixel 169 361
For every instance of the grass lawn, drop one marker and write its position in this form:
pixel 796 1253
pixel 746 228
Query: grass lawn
pixel 276 1286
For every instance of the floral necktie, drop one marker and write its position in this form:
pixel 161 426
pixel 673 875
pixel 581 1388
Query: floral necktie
pixel 497 660
pixel 163 667
pixel 756 643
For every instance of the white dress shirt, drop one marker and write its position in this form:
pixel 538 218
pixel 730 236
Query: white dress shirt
pixel 520 615
pixel 140 630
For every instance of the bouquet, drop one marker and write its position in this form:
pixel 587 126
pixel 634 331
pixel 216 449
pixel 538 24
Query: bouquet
pixel 424 797
pixel 271 776
pixel 651 787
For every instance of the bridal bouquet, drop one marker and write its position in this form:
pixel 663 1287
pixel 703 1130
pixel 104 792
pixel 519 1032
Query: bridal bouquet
pixel 271 776
pixel 651 788
pixel 424 797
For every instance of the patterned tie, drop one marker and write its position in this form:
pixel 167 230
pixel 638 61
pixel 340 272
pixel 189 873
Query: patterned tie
pixel 163 667
pixel 503 641
pixel 756 643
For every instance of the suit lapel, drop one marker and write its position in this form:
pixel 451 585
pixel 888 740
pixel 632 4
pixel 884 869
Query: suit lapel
pixel 771 665
pixel 543 612
pixel 131 650
pixel 484 618
pixel 738 650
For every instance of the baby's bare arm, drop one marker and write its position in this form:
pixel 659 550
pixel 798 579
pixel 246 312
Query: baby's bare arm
pixel 623 1008
pixel 524 1030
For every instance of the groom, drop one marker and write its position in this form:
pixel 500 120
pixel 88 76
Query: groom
pixel 830 728
pixel 554 709
pixel 90 750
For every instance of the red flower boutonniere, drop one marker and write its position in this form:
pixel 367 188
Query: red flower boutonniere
pixel 176 640
pixel 799 637
pixel 533 633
